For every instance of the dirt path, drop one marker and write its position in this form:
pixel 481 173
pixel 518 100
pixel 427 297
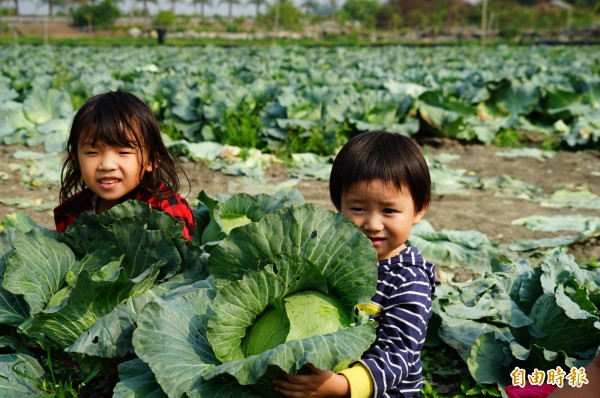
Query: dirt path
pixel 480 210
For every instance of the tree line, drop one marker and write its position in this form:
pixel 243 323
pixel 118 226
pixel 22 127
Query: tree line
pixel 508 16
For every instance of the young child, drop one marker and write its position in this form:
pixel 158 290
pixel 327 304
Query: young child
pixel 115 152
pixel 381 181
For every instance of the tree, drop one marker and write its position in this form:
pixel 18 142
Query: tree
pixel 284 14
pixel 163 21
pixel 363 11
pixel 309 6
pixel 202 3
pixel 16 7
pixel 103 14
pixel 52 3
pixel 257 3
pixel 332 8
pixel 230 3
pixel 145 5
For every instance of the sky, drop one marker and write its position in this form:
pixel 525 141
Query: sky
pixel 27 7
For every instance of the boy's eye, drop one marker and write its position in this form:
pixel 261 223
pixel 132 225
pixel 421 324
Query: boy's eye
pixel 389 211
pixel 356 208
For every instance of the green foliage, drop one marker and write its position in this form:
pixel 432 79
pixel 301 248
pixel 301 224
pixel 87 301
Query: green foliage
pixel 319 139
pixel 508 138
pixel 61 317
pixel 363 11
pixel 101 15
pixel 7 12
pixel 510 17
pixel 164 19
pixel 283 15
pixel 60 384
pixel 534 317
pixel 441 367
pixel 471 389
pixel 241 127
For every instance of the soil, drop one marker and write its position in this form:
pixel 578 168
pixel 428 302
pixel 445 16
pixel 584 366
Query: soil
pixel 480 210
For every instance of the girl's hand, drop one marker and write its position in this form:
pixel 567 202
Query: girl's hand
pixel 317 384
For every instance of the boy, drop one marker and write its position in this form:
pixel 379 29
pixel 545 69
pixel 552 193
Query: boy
pixel 381 182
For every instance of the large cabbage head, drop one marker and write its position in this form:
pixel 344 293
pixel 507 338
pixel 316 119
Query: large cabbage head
pixel 287 290
pixel 285 293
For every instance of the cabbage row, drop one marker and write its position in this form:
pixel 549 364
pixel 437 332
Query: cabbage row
pixel 267 284
pixel 311 99
pixel 126 291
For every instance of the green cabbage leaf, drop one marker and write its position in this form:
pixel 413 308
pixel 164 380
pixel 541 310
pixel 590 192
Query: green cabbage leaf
pixel 298 257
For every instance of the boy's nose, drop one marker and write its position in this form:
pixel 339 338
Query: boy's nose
pixel 373 223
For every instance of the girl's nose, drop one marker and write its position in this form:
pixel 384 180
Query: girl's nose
pixel 107 162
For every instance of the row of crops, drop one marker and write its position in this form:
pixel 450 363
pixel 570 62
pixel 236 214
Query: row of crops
pixel 123 302
pixel 311 99
pixel 135 309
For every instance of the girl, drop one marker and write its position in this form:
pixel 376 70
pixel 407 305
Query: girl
pixel 115 152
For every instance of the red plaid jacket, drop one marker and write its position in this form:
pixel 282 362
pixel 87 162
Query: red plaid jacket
pixel 82 202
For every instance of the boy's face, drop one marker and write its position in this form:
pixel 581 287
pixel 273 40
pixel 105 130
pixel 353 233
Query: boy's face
pixel 383 213
pixel 111 172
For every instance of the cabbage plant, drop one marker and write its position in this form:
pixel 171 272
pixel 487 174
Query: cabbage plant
pixel 534 317
pixel 217 216
pixel 75 296
pixel 283 293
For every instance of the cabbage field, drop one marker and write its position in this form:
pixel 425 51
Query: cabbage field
pixel 124 305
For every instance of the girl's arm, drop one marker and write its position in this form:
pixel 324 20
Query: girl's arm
pixel 179 208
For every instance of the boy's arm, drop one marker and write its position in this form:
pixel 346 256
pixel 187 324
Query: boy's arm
pixel 360 381
pixel 393 357
pixel 318 383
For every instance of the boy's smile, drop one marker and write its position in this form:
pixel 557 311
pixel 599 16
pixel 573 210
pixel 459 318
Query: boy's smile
pixel 383 213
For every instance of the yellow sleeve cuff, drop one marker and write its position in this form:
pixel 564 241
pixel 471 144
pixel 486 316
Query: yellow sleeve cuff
pixel 359 378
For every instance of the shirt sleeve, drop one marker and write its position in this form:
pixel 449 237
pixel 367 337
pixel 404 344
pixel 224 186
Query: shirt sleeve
pixel 360 381
pixel 66 212
pixel 401 332
pixel 179 208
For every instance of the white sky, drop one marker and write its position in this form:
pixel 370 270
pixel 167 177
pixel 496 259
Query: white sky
pixel 28 7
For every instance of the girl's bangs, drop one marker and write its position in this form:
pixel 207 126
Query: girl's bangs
pixel 110 131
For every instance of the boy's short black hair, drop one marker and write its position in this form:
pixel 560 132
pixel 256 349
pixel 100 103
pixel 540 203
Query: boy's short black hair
pixel 393 158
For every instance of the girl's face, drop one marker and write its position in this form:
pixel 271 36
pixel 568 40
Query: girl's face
pixel 111 172
pixel 383 213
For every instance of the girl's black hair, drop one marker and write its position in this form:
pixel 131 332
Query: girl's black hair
pixel 393 158
pixel 119 118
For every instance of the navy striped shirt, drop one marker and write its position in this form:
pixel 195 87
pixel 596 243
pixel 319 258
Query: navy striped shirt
pixel 405 284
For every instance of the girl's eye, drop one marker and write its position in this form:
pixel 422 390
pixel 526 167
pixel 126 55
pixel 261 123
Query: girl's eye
pixel 356 209
pixel 389 211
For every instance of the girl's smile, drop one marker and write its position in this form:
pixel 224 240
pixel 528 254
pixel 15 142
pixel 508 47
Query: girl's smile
pixel 110 171
pixel 108 183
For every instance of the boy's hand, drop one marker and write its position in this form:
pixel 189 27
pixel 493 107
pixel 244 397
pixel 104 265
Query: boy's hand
pixel 317 384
